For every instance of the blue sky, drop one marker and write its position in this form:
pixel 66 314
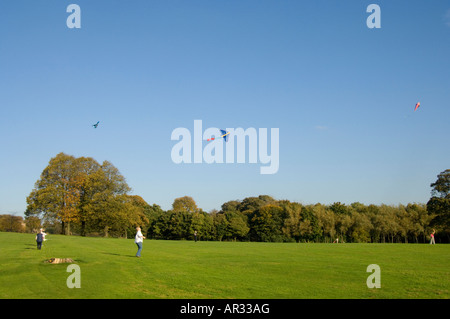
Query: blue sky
pixel 341 94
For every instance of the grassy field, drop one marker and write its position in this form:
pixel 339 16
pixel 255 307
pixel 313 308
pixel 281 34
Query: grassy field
pixel 213 270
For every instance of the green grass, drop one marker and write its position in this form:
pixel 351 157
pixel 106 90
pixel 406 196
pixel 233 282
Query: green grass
pixel 189 270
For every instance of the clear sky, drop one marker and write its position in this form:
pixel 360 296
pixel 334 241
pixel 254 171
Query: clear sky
pixel 341 94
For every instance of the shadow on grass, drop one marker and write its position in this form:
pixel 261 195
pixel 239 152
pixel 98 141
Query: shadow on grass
pixel 121 255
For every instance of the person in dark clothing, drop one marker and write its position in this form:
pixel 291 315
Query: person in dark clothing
pixel 39 239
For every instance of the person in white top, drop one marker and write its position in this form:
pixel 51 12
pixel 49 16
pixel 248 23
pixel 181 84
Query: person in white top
pixel 138 239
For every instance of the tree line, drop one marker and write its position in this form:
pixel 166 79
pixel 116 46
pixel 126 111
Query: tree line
pixel 80 196
pixel 265 219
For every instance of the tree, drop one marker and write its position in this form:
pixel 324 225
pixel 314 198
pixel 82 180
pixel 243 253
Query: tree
pixel 104 203
pixel 89 171
pixel 420 219
pixel 11 223
pixel 391 221
pixel 237 225
pixel 185 204
pixel 153 213
pixel 254 203
pixel 197 224
pixel 291 227
pixel 310 229
pixel 178 225
pixel 439 204
pixel 232 205
pixel 327 221
pixel 439 208
pixel 339 209
pixel 441 188
pixel 79 190
pixel 160 227
pixel 360 228
pixel 32 223
pixel 202 223
pixel 342 224
pixel 377 233
pixel 267 223
pixel 55 193
pixel 220 223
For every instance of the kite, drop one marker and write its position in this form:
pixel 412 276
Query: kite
pixel 224 135
pixel 96 124
pixel 417 106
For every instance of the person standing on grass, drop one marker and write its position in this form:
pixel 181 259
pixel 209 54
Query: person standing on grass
pixel 39 239
pixel 195 236
pixel 432 237
pixel 138 239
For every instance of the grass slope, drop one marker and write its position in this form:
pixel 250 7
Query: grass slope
pixel 189 270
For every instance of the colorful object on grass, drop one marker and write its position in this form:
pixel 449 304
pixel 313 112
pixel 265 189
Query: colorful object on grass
pixel 224 135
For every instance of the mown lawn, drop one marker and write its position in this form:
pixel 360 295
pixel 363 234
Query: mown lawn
pixel 220 270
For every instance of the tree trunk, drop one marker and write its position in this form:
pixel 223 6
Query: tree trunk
pixel 83 228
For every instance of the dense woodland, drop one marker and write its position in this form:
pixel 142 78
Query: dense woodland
pixel 79 196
